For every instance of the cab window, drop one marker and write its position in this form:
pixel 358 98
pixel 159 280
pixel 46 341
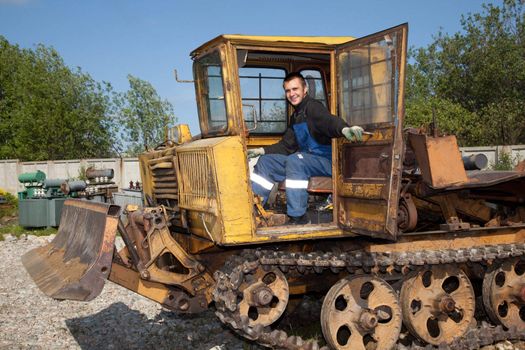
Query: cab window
pixel 315 84
pixel 263 100
pixel 208 70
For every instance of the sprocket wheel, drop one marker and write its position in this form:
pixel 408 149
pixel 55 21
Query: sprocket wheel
pixel 504 293
pixel 406 214
pixel 361 312
pixel 264 297
pixel 438 304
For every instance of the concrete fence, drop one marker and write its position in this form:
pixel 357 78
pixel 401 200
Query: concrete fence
pixel 127 169
pixel 493 153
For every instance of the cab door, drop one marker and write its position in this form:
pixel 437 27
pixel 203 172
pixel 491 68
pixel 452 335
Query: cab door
pixel 370 74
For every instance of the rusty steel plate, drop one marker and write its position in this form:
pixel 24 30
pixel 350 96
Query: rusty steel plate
pixel 361 312
pixel 77 262
pixel 438 304
pixel 504 293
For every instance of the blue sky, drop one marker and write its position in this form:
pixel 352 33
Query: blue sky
pixel 148 39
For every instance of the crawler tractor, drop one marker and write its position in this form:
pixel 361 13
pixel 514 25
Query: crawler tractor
pixel 405 247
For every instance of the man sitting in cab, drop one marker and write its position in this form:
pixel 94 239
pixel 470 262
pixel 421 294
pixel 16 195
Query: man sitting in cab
pixel 304 151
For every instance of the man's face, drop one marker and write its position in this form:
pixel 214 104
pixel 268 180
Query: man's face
pixel 295 91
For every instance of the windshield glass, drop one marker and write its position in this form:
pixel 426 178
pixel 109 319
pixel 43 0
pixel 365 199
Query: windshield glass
pixel 208 71
pixel 367 82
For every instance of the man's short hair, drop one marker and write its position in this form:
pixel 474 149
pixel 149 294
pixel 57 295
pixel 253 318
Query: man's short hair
pixel 293 75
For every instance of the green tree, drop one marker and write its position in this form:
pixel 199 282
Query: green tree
pixel 479 71
pixel 49 111
pixel 143 115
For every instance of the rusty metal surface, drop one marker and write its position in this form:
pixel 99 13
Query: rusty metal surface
pixel 172 298
pixel 438 304
pixel 77 262
pixel 361 312
pixel 265 297
pixel 439 160
pixel 504 293
pixel 406 214
pixel 491 184
pixel 158 257
pixel 386 263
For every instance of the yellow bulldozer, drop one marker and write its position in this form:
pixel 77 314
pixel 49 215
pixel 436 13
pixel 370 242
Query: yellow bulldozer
pixel 405 246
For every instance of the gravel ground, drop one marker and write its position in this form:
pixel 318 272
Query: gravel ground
pixel 116 319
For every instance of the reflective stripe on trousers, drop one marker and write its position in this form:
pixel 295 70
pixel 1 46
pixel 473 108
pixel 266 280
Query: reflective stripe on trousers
pixel 296 169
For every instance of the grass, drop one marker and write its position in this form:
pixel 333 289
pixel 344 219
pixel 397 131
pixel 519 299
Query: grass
pixel 17 230
pixel 8 211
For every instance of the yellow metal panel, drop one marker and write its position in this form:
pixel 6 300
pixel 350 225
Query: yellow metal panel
pixel 235 199
pixel 221 206
pixel 364 215
pixel 290 234
pixel 327 40
pixel 262 40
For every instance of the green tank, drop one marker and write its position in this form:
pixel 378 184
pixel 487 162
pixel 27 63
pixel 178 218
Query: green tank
pixel 37 176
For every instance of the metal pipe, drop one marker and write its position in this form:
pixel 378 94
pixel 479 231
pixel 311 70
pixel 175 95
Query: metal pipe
pixel 475 161
pixel 92 173
pixel 53 182
pixel 73 186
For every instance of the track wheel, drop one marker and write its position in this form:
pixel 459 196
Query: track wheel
pixel 361 312
pixel 504 293
pixel 264 297
pixel 438 304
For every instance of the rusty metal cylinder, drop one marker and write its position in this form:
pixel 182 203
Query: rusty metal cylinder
pixel 73 186
pixel 475 161
pixel 92 173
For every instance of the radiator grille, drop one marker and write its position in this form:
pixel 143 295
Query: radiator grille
pixel 197 188
pixel 164 178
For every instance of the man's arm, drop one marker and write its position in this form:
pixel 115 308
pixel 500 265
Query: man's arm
pixel 324 125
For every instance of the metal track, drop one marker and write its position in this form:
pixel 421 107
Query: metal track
pixel 230 278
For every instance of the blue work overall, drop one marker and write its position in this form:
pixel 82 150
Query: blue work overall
pixel 312 159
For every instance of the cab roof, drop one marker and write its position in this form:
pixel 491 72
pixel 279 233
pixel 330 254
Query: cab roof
pixel 265 40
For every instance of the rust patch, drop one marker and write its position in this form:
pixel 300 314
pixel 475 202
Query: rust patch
pixel 77 262
pixel 520 166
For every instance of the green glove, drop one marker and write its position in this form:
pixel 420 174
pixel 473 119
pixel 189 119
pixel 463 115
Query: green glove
pixel 354 133
pixel 255 152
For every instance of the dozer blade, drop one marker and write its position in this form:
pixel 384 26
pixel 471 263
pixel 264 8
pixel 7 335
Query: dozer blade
pixel 77 262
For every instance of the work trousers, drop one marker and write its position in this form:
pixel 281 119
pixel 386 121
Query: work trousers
pixel 295 169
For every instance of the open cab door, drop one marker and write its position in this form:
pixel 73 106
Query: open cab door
pixel 370 74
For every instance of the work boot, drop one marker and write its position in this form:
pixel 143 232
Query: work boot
pixel 298 220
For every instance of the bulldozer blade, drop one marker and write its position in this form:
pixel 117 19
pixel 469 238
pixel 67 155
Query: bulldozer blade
pixel 77 262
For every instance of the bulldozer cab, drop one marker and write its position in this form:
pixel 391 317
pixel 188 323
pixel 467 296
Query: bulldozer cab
pixel 239 89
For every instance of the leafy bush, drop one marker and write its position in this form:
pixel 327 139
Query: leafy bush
pixel 12 204
pixel 505 162
pixel 12 200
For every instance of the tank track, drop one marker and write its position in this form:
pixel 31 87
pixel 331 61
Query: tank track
pixel 230 278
